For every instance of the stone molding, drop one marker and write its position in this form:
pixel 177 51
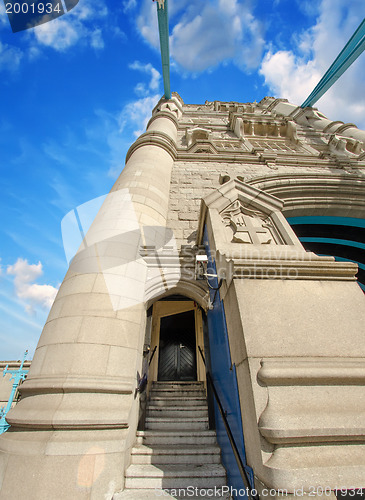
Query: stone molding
pixel 313 371
pixel 163 114
pixel 322 417
pixel 178 278
pixel 91 425
pixel 187 287
pixel 78 383
pixel 326 193
pixel 159 139
pixel 318 269
pixel 15 364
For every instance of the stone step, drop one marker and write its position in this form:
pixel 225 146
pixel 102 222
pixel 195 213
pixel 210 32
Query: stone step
pixel 170 494
pixel 177 451
pixel 175 476
pixel 174 401
pixel 186 454
pixel 181 393
pixel 185 412
pixel 176 385
pixel 159 423
pixel 170 437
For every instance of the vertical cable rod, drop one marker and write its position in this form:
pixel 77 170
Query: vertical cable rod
pixel 163 28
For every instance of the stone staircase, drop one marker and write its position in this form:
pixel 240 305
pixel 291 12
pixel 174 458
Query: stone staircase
pixel 177 451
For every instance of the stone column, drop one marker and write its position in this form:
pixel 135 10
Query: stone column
pixel 72 431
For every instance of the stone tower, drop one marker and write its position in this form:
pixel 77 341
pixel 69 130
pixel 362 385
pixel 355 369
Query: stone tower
pixel 219 179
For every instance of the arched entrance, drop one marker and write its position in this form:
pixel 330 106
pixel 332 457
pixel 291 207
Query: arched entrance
pixel 176 336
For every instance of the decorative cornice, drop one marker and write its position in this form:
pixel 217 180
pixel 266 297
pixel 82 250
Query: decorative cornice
pixel 163 114
pixel 332 124
pixel 272 102
pixel 344 127
pixel 159 139
pixel 293 269
pixel 284 158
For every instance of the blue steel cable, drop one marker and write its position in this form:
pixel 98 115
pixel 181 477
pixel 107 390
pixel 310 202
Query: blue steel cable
pixel 347 56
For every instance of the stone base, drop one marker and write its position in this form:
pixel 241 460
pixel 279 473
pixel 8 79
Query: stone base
pixel 77 465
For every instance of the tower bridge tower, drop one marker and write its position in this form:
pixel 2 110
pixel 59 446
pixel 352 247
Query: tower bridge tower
pixel 248 184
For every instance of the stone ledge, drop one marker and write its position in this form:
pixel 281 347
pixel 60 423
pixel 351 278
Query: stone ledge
pixel 69 383
pixel 313 371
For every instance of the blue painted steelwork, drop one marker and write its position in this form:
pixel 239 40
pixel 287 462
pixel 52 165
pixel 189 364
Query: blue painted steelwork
pixel 346 57
pixel 335 241
pixel 322 219
pixel 225 381
pixel 351 228
pixel 163 28
pixel 18 376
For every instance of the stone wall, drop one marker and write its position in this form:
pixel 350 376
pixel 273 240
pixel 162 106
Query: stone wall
pixel 222 141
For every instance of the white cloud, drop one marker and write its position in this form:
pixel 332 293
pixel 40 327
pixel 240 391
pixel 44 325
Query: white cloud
pixel 150 70
pixel 129 5
pixel 121 127
pixel 289 76
pixel 31 293
pixel 3 16
pixel 208 33
pixel 10 57
pixel 147 23
pixel 114 171
pixel 137 113
pixel 60 34
pixel 293 74
pixel 132 119
pixel 75 26
pixel 96 39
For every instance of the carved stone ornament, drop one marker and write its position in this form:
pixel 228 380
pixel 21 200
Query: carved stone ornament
pixel 249 226
pixel 209 105
pixel 197 134
pixel 168 107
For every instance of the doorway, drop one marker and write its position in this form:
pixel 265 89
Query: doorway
pixel 177 349
pixel 176 340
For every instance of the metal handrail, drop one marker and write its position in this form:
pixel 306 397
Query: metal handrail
pixel 153 353
pixel 237 456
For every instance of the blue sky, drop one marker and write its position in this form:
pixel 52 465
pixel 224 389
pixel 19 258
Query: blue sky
pixel 77 90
